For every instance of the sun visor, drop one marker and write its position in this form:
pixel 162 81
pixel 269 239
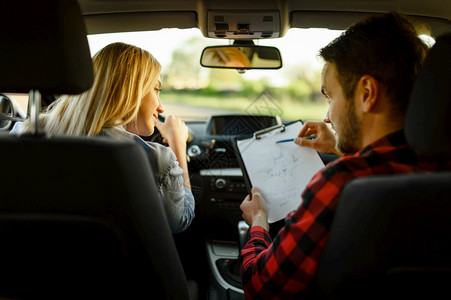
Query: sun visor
pixel 137 21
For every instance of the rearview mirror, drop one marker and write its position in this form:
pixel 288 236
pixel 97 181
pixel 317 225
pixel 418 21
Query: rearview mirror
pixel 241 57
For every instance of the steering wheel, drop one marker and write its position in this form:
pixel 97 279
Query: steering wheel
pixel 158 138
pixel 7 113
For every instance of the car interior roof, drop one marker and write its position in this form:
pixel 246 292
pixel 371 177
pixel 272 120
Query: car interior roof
pixel 123 15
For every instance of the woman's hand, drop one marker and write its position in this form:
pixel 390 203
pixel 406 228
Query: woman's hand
pixel 175 134
pixel 318 136
pixel 173 130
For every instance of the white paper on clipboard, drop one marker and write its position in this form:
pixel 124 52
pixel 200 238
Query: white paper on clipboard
pixel 280 171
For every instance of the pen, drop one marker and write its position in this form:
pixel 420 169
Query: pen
pixel 284 141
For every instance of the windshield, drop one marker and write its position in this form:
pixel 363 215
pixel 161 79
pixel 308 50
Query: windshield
pixel 193 92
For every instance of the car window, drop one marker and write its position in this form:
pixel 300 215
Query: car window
pixel 193 92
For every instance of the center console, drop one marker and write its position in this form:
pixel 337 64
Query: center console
pixel 218 179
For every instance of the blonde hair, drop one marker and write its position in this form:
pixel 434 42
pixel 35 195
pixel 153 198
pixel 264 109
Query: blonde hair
pixel 123 75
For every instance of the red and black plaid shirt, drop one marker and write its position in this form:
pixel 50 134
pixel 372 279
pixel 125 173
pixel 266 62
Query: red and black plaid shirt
pixel 283 268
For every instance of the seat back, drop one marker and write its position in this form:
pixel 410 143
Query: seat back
pixel 85 222
pixel 44 47
pixel 79 217
pixel 390 234
pixel 389 237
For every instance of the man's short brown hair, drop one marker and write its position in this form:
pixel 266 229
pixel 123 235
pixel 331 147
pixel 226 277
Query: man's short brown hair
pixel 386 47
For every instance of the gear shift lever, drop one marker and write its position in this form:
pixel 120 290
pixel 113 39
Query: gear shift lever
pixel 243 229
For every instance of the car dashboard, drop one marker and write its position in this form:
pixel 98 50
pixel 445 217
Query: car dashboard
pixel 218 230
pixel 215 173
pixel 218 186
pixel 216 177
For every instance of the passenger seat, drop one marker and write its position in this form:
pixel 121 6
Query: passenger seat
pixel 390 237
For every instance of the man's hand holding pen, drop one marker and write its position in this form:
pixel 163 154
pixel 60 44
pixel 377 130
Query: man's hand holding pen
pixel 324 138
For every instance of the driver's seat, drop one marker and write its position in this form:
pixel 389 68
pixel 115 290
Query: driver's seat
pixel 79 217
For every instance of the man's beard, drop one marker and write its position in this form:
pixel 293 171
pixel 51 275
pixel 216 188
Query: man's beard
pixel 350 136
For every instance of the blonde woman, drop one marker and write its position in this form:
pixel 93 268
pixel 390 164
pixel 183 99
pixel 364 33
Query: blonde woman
pixel 123 103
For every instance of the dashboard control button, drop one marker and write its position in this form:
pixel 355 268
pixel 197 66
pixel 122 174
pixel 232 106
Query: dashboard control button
pixel 194 151
pixel 220 183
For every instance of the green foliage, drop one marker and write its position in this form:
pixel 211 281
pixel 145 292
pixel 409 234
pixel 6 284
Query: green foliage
pixel 299 89
pixel 186 81
pixel 209 91
pixel 233 102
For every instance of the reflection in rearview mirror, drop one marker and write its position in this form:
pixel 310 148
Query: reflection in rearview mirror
pixel 241 57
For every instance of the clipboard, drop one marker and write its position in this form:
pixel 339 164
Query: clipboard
pixel 280 171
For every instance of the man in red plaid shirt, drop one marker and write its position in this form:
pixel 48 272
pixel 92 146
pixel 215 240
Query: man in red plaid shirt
pixel 367 78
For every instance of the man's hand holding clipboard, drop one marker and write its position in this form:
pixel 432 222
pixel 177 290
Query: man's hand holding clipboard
pixel 280 171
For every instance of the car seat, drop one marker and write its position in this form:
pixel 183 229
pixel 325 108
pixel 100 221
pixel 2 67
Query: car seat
pixel 79 217
pixel 390 236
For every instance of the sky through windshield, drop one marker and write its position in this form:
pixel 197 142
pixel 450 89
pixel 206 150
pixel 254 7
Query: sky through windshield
pixel 298 45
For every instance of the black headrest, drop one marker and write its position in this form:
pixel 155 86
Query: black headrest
pixel 44 47
pixel 427 123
